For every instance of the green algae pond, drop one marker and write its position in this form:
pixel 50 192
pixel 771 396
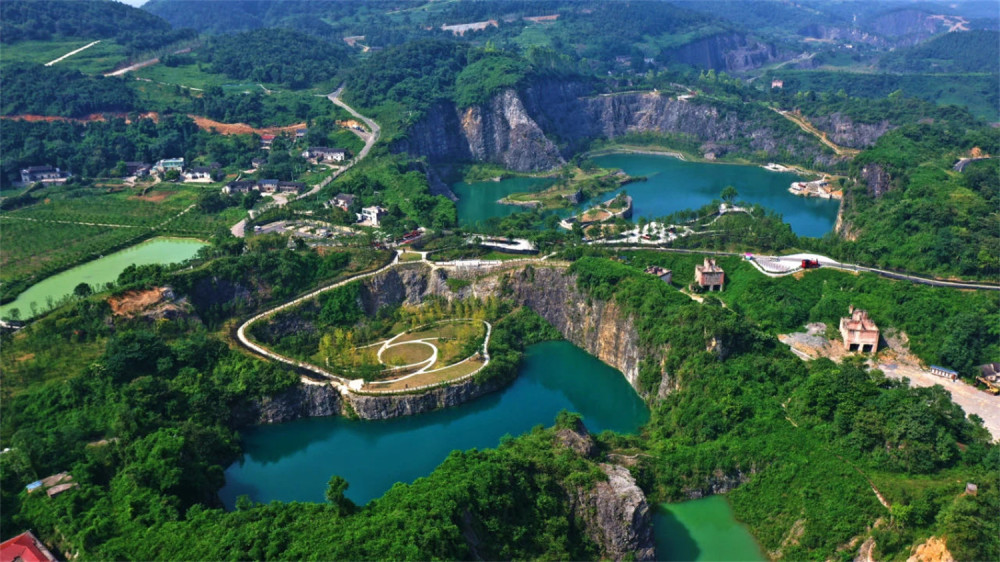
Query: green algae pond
pixel 43 295
pixel 703 530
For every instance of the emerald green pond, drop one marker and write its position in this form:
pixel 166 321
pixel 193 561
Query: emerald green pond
pixel 294 461
pixel 702 530
pixel 101 271
pixel 672 185
pixel 477 201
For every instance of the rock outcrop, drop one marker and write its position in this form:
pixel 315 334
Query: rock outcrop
pixel 842 130
pixel 718 483
pixel 301 401
pixel 876 178
pixel 729 52
pixel 385 406
pixel 503 133
pixel 617 517
pixel 546 121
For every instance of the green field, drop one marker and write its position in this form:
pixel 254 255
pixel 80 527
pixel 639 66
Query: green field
pixel 185 75
pixel 48 236
pixel 98 59
pixel 38 248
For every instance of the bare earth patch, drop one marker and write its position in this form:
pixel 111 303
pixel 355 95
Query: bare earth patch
pixel 133 302
pixel 241 128
pixel 158 197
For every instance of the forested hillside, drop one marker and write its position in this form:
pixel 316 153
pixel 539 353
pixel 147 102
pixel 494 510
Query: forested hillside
pixel 972 51
pixel 45 90
pixel 914 212
pixel 136 29
pixel 278 56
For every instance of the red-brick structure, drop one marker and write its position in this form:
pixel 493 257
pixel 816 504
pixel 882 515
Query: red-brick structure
pixel 25 547
pixel 859 332
pixel 709 276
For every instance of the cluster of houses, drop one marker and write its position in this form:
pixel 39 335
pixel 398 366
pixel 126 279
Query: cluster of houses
pixel 263 186
pixel 369 216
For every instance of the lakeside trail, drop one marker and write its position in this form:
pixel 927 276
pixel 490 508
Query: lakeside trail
pixel 71 53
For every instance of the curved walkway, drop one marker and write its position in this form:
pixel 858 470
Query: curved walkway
pixel 245 341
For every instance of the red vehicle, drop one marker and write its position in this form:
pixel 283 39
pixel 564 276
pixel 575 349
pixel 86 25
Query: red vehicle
pixel 810 264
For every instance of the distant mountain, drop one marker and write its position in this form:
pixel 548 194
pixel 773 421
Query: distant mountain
pixel 960 51
pixel 99 19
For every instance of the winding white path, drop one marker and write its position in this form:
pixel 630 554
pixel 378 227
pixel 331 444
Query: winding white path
pixel 71 53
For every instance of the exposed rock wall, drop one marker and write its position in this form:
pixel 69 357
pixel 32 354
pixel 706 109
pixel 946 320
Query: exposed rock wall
pixel 601 328
pixel 617 516
pixel 503 133
pixel 876 178
pixel 730 52
pixel 381 407
pixel 547 121
pixel 842 130
pixel 301 401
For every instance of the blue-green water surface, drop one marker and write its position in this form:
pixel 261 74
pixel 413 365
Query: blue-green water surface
pixel 294 461
pixel 672 185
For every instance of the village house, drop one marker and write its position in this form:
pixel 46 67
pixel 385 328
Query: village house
pixel 265 141
pixel 291 186
pixel 25 548
pixel 709 276
pixel 45 174
pixel 859 332
pixel 301 133
pixel 342 201
pixel 198 173
pixel 324 154
pixel 166 164
pixel 239 186
pixel 257 163
pixel 137 169
pixel 945 372
pixel 371 215
pixel 778 84
pixel 267 186
pixel 989 374
pixel 664 274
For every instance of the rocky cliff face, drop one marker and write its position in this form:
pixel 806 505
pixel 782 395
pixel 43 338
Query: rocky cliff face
pixel 515 129
pixel 381 407
pixel 617 516
pixel 730 52
pixel 876 178
pixel 842 130
pixel 503 133
pixel 301 401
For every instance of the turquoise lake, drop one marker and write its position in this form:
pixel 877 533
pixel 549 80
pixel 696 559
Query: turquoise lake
pixel 703 530
pixel 100 271
pixel 294 461
pixel 672 185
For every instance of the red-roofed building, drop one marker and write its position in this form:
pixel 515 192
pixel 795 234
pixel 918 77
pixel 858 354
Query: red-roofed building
pixel 25 547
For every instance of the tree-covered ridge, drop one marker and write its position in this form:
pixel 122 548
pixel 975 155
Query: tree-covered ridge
pixel 51 90
pixel 279 56
pixel 137 30
pixel 415 75
pixel 963 51
pixel 44 19
pixel 798 433
pixel 931 218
